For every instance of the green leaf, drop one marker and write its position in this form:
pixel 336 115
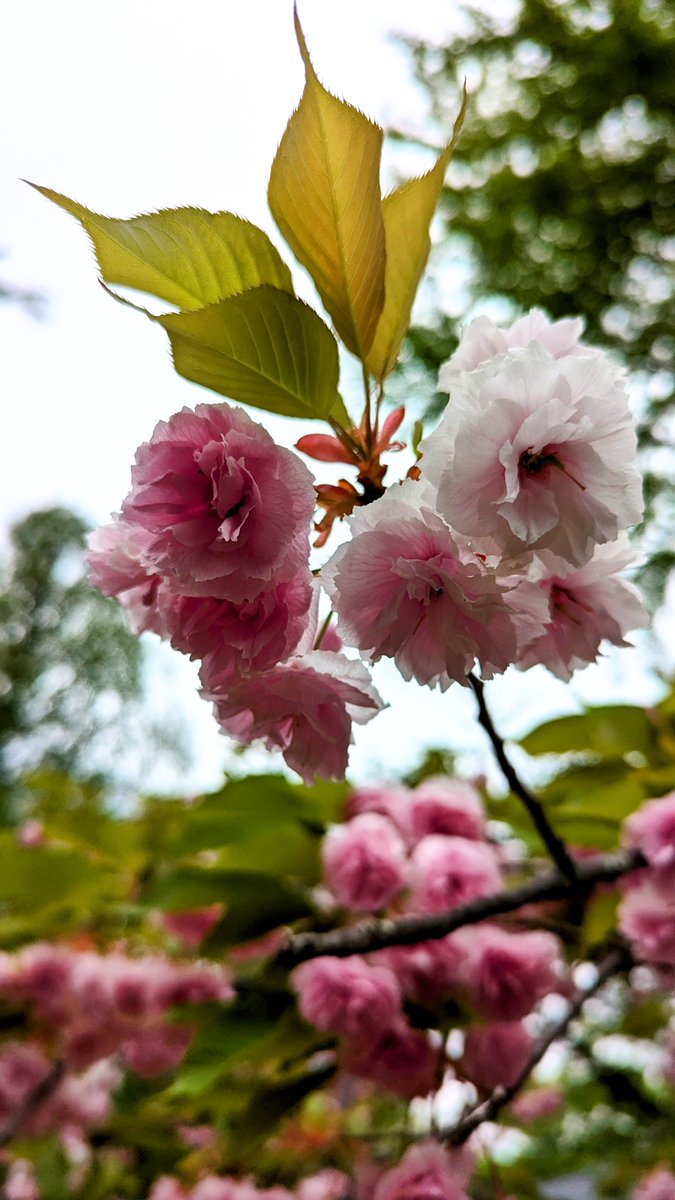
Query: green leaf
pixel 609 731
pixel 407 215
pixel 31 879
pixel 187 256
pixel 324 193
pixel 265 348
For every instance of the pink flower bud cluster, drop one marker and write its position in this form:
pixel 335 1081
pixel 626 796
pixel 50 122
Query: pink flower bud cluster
pixel 211 551
pixel 90 1006
pixel 328 1184
pixel 647 912
pixel 658 1185
pixel 426 1170
pixel 424 851
pixel 508 548
pixel 81 1100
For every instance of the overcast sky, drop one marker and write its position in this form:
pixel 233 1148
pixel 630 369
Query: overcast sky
pixel 146 104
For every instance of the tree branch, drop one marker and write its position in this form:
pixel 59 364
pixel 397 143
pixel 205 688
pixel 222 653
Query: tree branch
pixel 378 934
pixel 554 844
pixel 618 959
pixel 34 1100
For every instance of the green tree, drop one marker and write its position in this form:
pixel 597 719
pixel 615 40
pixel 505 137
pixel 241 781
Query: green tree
pixel 561 191
pixel 70 668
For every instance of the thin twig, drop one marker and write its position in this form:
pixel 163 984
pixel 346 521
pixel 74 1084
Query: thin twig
pixel 554 844
pixel 34 1100
pixel 618 959
pixel 378 934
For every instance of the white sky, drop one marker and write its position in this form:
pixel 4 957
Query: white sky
pixel 146 104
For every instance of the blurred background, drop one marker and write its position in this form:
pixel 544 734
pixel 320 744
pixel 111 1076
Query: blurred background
pixel 560 195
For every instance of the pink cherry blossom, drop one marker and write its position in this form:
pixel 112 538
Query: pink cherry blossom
pixel 347 995
pixel 495 1055
pixel 447 871
pixel 587 605
pixel 400 1059
pixel 190 926
pixel 328 1184
pixel 389 800
pixel 449 806
pixel 426 971
pixel 426 1172
pixel 658 1185
pixel 482 341
pixel 404 587
pixel 364 862
pixel 505 974
pixel 537 454
pixel 647 919
pixel 240 638
pixel 116 568
pixel 537 1103
pixel 303 707
pixel 157 1049
pixel 226 509
pixel 652 830
pixel 21 1183
pixel 31 834
pixel 167 1188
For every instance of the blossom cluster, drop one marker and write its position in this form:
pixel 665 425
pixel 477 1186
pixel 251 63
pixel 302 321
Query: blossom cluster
pixel 647 912
pixel 426 1169
pixel 506 548
pixel 85 1008
pixel 423 851
pixel 211 551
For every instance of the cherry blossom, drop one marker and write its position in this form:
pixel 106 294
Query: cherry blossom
pixel 446 871
pixel 587 605
pixel 652 830
pixel 482 341
pixel 537 453
pixel 364 862
pixel 226 510
pixel 303 707
pixel 426 1172
pixel 496 1054
pixel 406 588
pixel 347 996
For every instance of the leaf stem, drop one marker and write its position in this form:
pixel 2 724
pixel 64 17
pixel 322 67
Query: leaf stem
pixel 554 844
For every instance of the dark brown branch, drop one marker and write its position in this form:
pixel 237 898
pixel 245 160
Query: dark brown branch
pixel 34 1100
pixel 377 934
pixel 617 960
pixel 554 844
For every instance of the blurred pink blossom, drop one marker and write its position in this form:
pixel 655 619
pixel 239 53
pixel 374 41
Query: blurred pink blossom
pixel 652 830
pixel 364 862
pixel 505 974
pixel 447 871
pixel 347 996
pixel 427 1171
pixel 494 1055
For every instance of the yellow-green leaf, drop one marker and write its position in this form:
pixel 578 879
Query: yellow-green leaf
pixel 264 347
pixel 324 194
pixel 187 256
pixel 407 214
